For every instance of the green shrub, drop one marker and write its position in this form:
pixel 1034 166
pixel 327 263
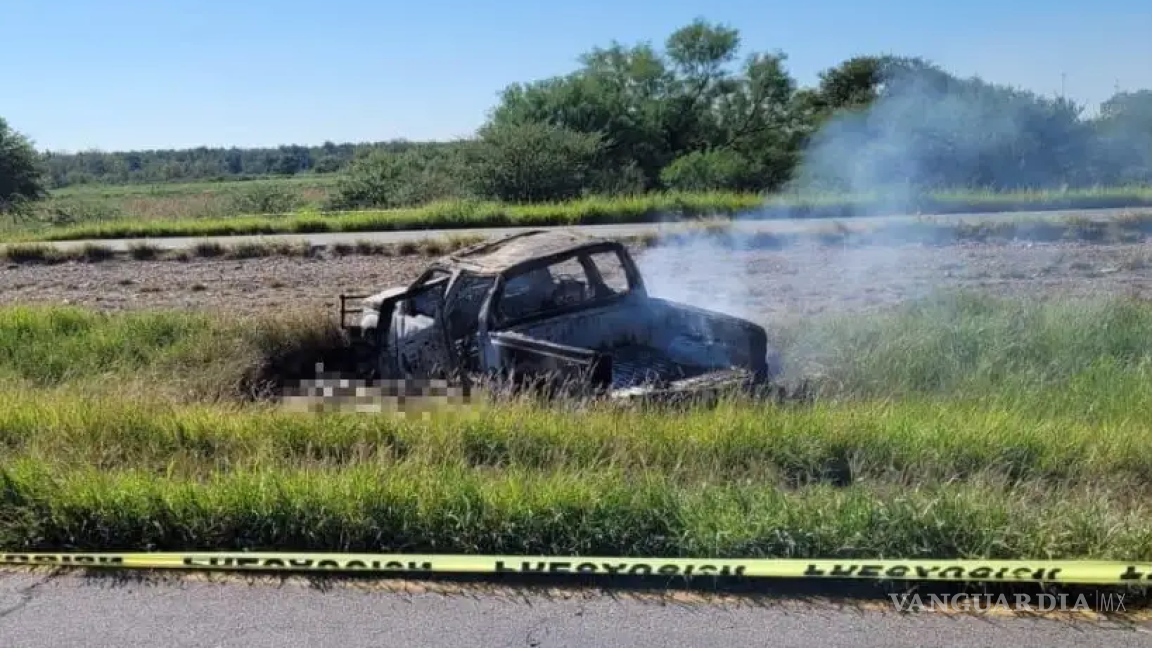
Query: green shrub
pixel 387 179
pixel 714 170
pixel 266 198
pixel 534 162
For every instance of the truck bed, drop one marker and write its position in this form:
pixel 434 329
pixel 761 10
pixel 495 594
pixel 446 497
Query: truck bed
pixel 637 364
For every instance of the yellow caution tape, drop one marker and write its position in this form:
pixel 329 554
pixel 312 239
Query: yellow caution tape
pixel 1045 571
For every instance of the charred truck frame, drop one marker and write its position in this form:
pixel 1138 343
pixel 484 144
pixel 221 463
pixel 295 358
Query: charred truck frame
pixel 556 305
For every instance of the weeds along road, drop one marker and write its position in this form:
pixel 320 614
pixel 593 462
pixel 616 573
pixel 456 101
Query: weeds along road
pixel 614 230
pixel 38 611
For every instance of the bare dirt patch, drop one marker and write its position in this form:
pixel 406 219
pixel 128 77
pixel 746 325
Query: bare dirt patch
pixel 764 285
pixel 247 285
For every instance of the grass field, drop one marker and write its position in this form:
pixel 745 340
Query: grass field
pixel 297 206
pixel 959 426
pixel 1131 228
pixel 191 200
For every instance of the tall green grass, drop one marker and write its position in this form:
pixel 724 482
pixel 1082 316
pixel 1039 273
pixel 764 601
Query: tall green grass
pixel 440 215
pixel 655 207
pixel 910 442
pixel 1126 229
pixel 189 355
pixel 962 345
pixel 957 426
pixel 951 345
pixel 456 510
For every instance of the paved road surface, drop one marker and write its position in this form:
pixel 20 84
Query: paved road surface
pixel 774 226
pixel 38 612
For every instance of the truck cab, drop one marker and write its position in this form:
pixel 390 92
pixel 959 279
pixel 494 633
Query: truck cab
pixel 557 304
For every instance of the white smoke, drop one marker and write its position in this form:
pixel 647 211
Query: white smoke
pixel 701 271
pixel 889 152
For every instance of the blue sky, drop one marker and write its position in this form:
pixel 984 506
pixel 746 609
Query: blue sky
pixel 130 74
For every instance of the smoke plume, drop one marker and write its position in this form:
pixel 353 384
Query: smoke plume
pixel 926 131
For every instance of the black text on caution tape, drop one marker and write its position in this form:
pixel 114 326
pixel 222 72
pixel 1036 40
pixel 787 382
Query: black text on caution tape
pixel 617 568
pixel 230 562
pixel 61 559
pixel 1133 574
pixel 929 572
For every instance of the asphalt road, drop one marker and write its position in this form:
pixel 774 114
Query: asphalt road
pixel 41 612
pixel 613 230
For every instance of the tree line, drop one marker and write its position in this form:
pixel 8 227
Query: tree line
pixel 205 163
pixel 696 115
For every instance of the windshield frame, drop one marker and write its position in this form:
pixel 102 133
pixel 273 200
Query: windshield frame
pixel 583 256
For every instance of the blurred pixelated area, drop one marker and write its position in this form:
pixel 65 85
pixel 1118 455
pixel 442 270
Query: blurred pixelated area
pixel 335 393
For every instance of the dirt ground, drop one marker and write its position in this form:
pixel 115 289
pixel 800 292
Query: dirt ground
pixel 763 285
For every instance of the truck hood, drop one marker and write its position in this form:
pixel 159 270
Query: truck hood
pixel 374 301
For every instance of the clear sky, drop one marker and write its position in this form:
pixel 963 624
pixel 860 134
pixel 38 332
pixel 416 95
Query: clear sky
pixel 134 74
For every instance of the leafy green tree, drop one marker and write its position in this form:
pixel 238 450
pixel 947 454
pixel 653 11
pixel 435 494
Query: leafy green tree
pixel 903 122
pixel 652 108
pixel 758 119
pixel 327 164
pixel 1122 143
pixel 205 163
pixel 21 173
pixel 533 162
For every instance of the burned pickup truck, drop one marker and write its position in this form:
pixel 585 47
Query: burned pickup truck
pixel 553 305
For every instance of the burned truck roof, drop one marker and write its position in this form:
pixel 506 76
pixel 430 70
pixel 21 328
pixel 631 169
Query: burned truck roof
pixel 514 251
